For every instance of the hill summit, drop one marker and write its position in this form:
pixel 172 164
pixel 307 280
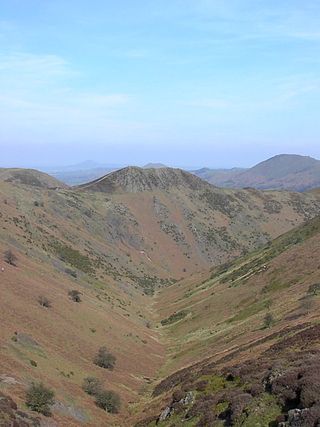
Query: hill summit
pixel 31 177
pixel 135 180
pixel 282 172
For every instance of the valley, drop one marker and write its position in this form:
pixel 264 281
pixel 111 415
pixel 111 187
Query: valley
pixel 172 272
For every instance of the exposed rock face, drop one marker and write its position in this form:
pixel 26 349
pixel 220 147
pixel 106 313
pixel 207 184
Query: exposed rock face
pixel 301 418
pixel 177 402
pixel 10 416
pixel 135 180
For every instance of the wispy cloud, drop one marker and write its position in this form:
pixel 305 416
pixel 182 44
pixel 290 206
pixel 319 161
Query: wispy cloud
pixel 39 92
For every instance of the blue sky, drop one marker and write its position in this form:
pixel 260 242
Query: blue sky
pixel 204 82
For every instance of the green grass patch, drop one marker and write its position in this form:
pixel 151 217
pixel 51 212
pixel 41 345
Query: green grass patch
pixel 251 310
pixel 261 412
pixel 173 318
pixel 72 256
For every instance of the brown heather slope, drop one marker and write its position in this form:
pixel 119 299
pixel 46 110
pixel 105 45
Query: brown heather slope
pixel 114 248
pixel 219 320
pixel 63 339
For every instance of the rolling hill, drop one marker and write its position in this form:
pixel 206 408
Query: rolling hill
pixel 138 244
pixel 30 177
pixel 282 172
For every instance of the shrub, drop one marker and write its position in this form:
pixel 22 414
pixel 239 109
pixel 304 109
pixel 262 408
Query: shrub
pixel 92 386
pixel 10 257
pixel 268 320
pixel 105 359
pixel 39 398
pixel 73 257
pixel 44 302
pixel 108 400
pixel 314 289
pixel 75 295
pixel 175 317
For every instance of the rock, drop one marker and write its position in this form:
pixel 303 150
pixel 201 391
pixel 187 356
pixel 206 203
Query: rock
pixel 165 414
pixel 25 340
pixel 70 411
pixel 188 399
pixel 272 376
pixel 5 379
pixel 10 416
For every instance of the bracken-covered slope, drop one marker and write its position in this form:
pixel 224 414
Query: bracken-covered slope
pixel 282 172
pixel 30 177
pixel 253 326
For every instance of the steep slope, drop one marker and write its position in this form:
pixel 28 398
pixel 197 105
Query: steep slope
pixel 253 327
pixel 282 172
pixel 30 177
pixel 57 344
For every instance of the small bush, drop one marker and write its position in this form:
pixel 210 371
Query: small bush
pixel 109 401
pixel 92 386
pixel 10 257
pixel 33 363
pixel 268 320
pixel 105 359
pixel 44 302
pixel 39 398
pixel 314 289
pixel 175 317
pixel 75 295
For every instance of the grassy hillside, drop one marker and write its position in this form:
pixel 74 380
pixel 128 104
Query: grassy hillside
pixel 248 324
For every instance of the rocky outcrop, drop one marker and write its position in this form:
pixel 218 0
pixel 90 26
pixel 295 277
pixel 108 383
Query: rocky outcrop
pixel 10 416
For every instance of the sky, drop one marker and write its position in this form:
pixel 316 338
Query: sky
pixel 195 83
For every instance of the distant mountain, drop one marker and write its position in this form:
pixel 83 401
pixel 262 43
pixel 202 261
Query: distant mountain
pixel 282 172
pixel 218 177
pixel 80 176
pixel 154 166
pixel 30 177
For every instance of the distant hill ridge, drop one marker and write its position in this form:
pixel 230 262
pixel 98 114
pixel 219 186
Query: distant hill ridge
pixel 281 172
pixel 30 177
pixel 134 180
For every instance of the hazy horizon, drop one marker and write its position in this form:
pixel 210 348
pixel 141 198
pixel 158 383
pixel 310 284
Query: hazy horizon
pixel 190 83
